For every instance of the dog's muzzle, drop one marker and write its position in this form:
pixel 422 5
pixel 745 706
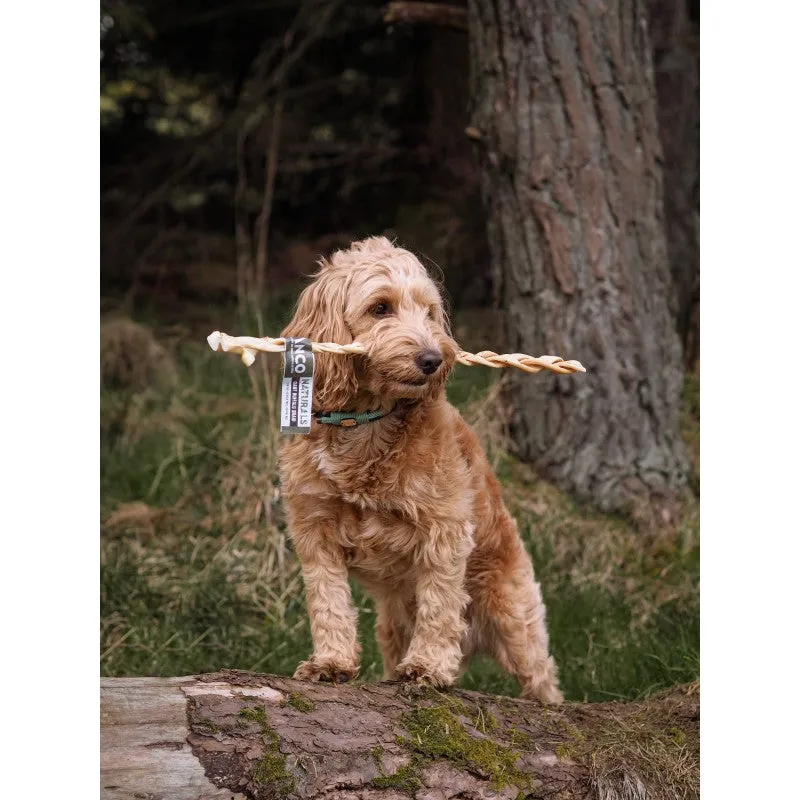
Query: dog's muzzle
pixel 428 361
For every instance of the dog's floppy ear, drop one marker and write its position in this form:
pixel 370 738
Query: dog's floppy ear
pixel 320 317
pixel 447 344
pixel 440 317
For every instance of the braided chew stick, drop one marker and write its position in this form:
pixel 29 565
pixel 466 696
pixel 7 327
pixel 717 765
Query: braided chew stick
pixel 247 346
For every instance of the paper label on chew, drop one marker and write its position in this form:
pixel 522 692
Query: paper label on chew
pixel 298 386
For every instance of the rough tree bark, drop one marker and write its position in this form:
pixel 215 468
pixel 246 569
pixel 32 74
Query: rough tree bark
pixel 675 37
pixel 564 107
pixel 235 735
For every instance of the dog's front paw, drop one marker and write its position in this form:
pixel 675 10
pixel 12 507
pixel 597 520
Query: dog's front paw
pixel 325 669
pixel 425 674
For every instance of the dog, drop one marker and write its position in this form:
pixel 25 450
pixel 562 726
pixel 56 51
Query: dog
pixel 397 492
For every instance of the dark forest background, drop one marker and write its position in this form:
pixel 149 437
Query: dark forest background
pixel 334 124
pixel 361 122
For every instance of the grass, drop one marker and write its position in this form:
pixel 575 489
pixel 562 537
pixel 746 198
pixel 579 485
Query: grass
pixel 197 572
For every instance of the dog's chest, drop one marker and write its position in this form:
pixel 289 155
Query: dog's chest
pixel 381 548
pixel 374 483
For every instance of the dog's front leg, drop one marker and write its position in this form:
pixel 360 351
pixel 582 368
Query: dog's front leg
pixel 330 606
pixel 434 655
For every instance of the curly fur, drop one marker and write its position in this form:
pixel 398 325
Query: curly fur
pixel 407 505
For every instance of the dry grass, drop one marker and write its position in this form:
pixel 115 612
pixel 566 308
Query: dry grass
pixel 632 751
pixel 489 416
pixel 131 357
pixel 191 505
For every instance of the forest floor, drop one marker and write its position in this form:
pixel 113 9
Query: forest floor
pixel 197 572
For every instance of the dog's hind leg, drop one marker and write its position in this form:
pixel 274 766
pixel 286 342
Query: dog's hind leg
pixel 511 606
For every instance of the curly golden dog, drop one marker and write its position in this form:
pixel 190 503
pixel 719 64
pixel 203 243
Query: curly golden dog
pixel 402 499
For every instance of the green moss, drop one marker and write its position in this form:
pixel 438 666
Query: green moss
pixel 564 726
pixel 377 754
pixel 300 702
pixel 485 721
pixel 429 693
pixel 271 769
pixel 257 715
pixel 678 736
pixel 406 779
pixel 435 732
pixel 520 739
pixel 573 732
pixel 205 725
pixel 563 753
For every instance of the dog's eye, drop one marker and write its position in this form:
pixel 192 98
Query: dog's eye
pixel 432 312
pixel 381 309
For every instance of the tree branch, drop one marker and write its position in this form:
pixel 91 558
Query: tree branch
pixel 444 16
pixel 262 224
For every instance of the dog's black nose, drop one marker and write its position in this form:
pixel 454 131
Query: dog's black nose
pixel 428 361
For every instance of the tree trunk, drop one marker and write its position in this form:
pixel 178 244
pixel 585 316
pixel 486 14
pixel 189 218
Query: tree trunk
pixel 565 114
pixel 675 37
pixel 237 735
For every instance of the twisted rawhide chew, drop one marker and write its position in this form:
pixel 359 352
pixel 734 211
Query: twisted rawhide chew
pixel 247 346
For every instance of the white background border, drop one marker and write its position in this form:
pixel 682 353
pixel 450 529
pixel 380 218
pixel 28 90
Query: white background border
pixel 49 406
pixel 750 524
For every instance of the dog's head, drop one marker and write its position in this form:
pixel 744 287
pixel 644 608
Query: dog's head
pixel 381 296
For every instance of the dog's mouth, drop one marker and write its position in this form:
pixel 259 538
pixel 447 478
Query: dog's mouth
pixel 397 383
pixel 416 383
pixel 407 388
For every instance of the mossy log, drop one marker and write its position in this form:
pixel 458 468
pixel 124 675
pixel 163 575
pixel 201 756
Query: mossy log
pixel 234 735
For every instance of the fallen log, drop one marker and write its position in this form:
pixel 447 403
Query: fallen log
pixel 234 735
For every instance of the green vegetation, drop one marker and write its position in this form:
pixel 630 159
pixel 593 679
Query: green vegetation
pixel 436 732
pixel 301 703
pixel 271 769
pixel 197 572
pixel 377 754
pixel 405 779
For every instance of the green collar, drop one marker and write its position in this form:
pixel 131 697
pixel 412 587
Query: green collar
pixel 349 419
